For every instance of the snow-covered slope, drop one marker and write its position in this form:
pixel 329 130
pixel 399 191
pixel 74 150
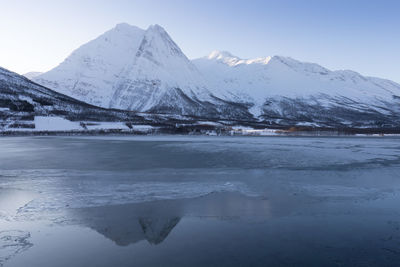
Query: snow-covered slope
pixel 32 74
pixel 158 69
pixel 144 70
pixel 282 76
pixel 282 88
pixel 91 71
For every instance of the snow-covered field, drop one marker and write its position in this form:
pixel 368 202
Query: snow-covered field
pixel 59 124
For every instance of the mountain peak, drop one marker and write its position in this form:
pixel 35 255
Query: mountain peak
pixel 216 54
pixel 156 27
pixel 231 60
pixel 299 66
pixel 125 27
pixel 157 44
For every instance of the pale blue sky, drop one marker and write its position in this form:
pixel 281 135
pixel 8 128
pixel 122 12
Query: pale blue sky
pixel 360 35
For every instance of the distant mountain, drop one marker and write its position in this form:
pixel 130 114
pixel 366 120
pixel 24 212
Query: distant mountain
pixel 32 74
pixel 145 71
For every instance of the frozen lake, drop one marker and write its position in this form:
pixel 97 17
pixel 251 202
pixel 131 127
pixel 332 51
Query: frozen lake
pixel 199 201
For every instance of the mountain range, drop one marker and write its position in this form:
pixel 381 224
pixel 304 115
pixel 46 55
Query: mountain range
pixel 145 71
pixel 27 107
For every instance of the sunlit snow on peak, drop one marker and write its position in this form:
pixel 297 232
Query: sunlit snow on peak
pixel 231 60
pixel 220 55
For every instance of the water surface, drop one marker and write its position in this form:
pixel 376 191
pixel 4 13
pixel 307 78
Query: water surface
pixel 199 201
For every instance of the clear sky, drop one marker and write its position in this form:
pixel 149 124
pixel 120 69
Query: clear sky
pixel 362 35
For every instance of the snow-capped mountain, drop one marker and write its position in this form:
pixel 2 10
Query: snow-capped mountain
pixel 140 70
pixel 158 72
pixel 144 70
pixel 262 78
pixel 288 91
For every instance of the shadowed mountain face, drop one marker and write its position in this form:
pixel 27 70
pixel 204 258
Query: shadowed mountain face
pixel 342 112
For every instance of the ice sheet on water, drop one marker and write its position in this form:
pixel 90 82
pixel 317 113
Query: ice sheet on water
pixel 56 189
pixel 296 153
pixel 13 199
pixel 12 243
pixel 338 190
pixel 128 193
pixel 154 168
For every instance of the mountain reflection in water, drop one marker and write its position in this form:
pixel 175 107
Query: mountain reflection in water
pixel 153 221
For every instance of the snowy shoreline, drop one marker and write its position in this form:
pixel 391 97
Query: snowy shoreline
pixel 54 125
pixel 169 132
